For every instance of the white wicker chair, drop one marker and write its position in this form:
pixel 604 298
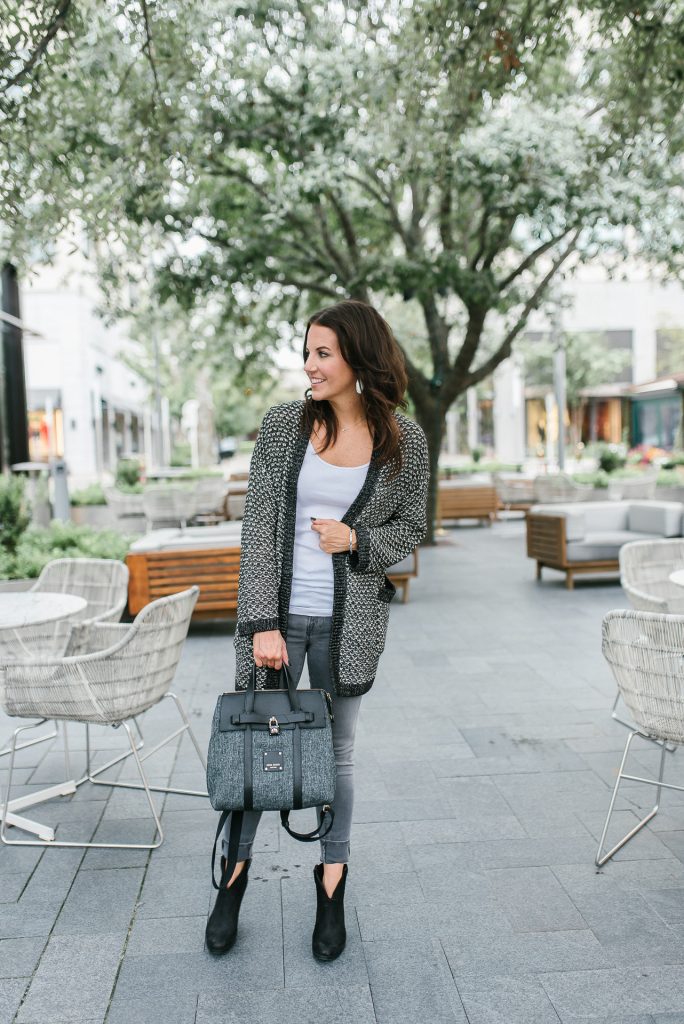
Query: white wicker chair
pixel 645 651
pixel 629 488
pixel 645 566
pixel 210 495
pixel 124 506
pixel 128 675
pixel 103 582
pixel 559 487
pixel 168 506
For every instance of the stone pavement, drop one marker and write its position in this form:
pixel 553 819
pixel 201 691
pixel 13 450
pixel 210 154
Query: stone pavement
pixel 484 760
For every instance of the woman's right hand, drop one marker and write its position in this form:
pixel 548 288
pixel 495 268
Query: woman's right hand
pixel 269 649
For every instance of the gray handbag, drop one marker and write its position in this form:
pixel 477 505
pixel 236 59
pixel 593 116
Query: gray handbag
pixel 270 750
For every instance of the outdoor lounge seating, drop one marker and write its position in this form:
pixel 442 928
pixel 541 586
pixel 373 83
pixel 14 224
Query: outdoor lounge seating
pixel 645 568
pixel 586 538
pixel 465 500
pixel 628 488
pixel 645 651
pixel 130 670
pixel 516 493
pixel 165 561
pixel 124 506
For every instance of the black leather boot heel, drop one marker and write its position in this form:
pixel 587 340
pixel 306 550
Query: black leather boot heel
pixel 223 922
pixel 329 935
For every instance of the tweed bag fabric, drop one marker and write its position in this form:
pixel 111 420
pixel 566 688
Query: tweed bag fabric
pixel 389 516
pixel 272 788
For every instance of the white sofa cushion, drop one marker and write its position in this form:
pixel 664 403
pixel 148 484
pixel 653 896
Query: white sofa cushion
pixel 663 518
pixel 602 545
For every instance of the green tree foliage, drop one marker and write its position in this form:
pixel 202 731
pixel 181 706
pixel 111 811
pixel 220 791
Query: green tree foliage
pixel 448 156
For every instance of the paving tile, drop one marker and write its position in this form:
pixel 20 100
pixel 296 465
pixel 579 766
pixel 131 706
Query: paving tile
pixel 307 1005
pixel 513 1000
pixel 74 979
pixel 99 901
pixel 11 992
pixel 534 900
pixel 411 983
pixel 602 993
pixel 18 957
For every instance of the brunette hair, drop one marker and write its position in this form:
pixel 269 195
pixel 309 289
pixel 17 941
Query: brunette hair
pixel 368 345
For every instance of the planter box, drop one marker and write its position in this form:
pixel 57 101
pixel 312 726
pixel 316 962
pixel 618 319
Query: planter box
pixel 100 517
pixel 9 586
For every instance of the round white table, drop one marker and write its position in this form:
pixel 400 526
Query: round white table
pixel 19 609
pixel 29 608
pixel 677 577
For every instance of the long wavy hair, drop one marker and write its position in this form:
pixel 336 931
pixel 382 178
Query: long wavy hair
pixel 368 345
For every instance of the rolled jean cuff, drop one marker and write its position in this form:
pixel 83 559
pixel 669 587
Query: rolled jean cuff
pixel 336 852
pixel 244 850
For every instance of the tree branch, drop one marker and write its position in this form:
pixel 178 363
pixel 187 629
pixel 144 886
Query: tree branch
pixel 147 47
pixel 58 20
pixel 530 259
pixel 504 350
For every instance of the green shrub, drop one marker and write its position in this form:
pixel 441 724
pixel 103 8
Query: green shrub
pixel 91 495
pixel 598 478
pixel 14 511
pixel 610 459
pixel 127 473
pixel 39 545
pixel 674 459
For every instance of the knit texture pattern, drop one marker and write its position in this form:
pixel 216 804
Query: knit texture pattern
pixel 389 516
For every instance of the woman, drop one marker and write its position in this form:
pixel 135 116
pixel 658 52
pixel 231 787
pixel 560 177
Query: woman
pixel 337 493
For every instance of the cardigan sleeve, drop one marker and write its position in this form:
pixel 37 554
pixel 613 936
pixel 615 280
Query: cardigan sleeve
pixel 379 547
pixel 258 579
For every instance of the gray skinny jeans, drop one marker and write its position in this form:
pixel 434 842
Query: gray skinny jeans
pixel 309 636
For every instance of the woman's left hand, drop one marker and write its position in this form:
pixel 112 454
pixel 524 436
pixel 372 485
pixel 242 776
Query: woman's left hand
pixel 333 536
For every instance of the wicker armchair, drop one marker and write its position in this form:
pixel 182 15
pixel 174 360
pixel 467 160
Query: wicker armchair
pixel 124 506
pixel 108 687
pixel 559 487
pixel 627 488
pixel 168 506
pixel 645 651
pixel 210 496
pixel 645 566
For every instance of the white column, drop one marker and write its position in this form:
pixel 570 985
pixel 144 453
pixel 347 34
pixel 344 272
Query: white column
pixel 452 431
pixel 509 412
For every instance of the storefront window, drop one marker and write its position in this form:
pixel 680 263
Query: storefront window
pixel 657 421
pixel 46 434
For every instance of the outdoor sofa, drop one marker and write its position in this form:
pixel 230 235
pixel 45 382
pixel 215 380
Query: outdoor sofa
pixel 166 561
pixel 586 537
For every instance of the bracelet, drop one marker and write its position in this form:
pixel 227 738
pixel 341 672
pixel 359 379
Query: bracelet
pixel 351 549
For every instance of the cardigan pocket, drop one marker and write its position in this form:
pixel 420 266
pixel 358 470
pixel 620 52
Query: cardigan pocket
pixel 387 590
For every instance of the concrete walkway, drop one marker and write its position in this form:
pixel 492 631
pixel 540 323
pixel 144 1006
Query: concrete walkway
pixel 484 759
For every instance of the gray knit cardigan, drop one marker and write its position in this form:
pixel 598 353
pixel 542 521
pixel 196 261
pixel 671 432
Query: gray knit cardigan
pixel 389 516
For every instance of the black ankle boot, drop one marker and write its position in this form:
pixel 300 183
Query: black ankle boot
pixel 223 922
pixel 329 935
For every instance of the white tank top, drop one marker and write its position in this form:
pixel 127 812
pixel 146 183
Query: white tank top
pixel 326 492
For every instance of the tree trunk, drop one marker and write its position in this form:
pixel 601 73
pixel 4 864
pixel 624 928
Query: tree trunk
pixel 431 419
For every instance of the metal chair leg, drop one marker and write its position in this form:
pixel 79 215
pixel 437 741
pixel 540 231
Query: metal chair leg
pixel 51 841
pixel 185 727
pixel 600 859
pixel 31 743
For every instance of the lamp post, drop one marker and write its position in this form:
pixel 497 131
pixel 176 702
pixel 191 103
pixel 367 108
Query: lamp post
pixel 559 384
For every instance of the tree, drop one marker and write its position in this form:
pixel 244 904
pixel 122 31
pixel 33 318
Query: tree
pixel 458 155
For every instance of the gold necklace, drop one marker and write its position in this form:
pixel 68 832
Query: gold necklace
pixel 356 423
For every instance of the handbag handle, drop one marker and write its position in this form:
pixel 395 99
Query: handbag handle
pixel 291 689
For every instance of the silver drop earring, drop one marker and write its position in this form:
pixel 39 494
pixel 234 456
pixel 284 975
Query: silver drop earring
pixel 359 386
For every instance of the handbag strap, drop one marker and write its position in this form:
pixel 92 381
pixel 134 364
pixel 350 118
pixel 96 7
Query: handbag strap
pixel 289 686
pixel 309 837
pixel 234 839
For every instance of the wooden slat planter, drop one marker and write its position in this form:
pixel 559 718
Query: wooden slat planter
pixel 158 573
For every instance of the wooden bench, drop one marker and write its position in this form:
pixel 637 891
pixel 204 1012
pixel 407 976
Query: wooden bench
pixel 466 501
pixel 215 571
pixel 403 572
